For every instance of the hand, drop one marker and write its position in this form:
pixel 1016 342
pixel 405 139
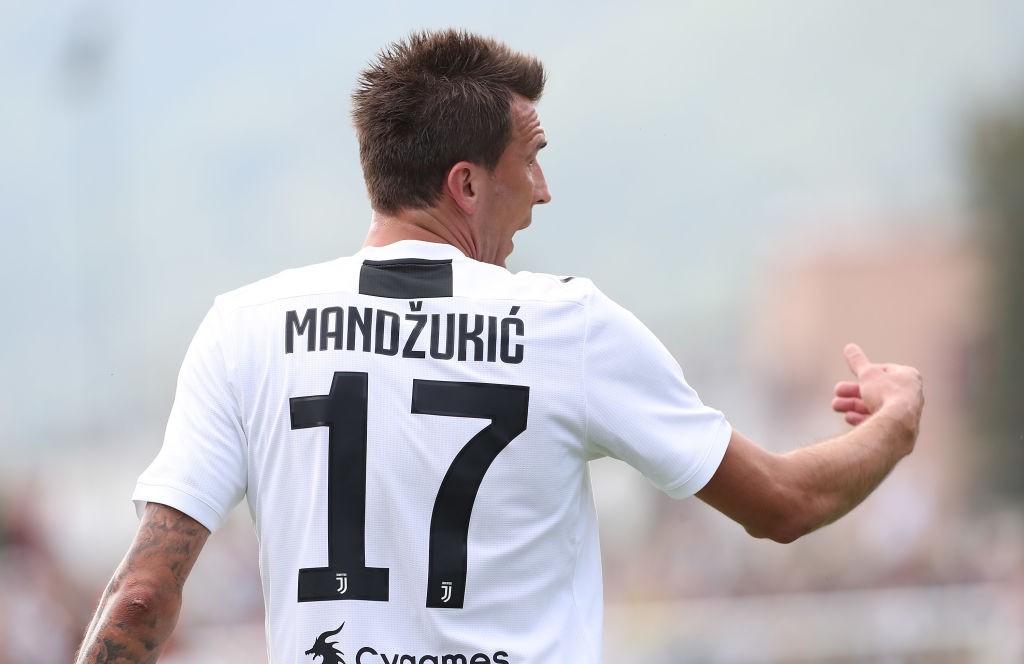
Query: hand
pixel 894 388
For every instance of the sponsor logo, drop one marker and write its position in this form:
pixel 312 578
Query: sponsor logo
pixel 325 649
pixel 330 654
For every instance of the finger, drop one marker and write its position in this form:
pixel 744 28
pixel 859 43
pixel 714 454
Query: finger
pixel 855 358
pixel 848 389
pixel 847 405
pixel 854 418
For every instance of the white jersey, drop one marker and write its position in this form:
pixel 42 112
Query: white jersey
pixel 411 429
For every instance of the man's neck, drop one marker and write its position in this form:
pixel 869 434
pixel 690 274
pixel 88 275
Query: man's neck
pixel 426 225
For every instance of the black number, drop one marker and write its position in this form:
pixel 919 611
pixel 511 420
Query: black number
pixel 505 406
pixel 343 412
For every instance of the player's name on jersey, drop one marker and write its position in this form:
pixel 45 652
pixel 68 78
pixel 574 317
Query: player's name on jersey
pixel 465 337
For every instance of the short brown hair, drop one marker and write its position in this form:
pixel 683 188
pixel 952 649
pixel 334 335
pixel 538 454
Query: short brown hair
pixel 430 101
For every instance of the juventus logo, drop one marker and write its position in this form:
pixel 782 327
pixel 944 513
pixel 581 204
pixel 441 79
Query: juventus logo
pixel 446 591
pixel 342 582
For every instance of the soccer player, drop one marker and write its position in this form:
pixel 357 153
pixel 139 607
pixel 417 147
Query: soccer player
pixel 411 425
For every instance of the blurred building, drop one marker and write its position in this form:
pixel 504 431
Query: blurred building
pixel 918 301
pixel 920 571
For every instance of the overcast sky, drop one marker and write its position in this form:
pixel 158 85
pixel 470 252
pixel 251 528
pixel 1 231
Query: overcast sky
pixel 153 155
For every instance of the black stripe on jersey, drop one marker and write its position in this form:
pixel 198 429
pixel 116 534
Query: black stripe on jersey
pixel 406 278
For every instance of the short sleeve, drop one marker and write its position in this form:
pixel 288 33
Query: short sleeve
pixel 201 468
pixel 640 408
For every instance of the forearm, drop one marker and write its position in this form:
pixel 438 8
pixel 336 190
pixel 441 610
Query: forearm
pixel 140 606
pixel 834 476
pixel 128 628
pixel 785 496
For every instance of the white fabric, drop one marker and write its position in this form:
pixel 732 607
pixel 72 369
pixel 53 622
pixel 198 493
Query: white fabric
pixel 600 384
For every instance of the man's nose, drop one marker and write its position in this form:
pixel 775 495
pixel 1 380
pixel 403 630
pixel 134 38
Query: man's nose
pixel 541 193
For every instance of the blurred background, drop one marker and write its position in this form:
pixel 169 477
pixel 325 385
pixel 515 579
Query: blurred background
pixel 793 175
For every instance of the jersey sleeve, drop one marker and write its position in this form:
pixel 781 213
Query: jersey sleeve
pixel 640 408
pixel 201 468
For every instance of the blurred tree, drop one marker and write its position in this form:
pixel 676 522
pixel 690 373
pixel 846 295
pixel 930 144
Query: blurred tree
pixel 997 178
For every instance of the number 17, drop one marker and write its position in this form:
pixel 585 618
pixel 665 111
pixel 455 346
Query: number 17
pixel 343 412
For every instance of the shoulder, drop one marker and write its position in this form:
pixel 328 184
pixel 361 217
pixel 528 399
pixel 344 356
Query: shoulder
pixel 600 311
pixel 498 282
pixel 294 282
pixel 580 289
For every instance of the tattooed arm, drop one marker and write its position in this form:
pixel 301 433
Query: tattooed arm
pixel 140 606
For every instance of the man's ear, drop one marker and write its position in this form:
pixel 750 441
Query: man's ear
pixel 463 185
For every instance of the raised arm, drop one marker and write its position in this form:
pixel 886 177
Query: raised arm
pixel 140 606
pixel 785 496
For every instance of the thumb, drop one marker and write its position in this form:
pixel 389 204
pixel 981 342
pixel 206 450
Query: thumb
pixel 855 358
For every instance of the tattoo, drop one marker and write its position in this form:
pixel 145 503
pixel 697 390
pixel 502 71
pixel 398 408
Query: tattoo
pixel 140 605
pixel 112 650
